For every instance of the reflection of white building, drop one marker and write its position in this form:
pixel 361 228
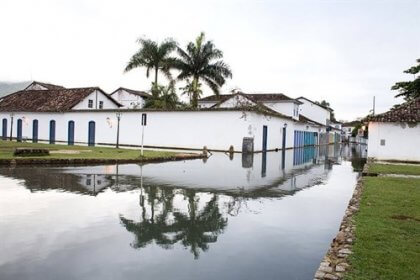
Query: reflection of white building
pixel 94 183
pixel 267 171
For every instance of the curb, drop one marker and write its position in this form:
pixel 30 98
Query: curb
pixel 40 161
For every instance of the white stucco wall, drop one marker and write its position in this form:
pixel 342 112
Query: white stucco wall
pixel 314 112
pixel 402 141
pixel 290 109
pixel 214 129
pixel 128 100
pixel 96 96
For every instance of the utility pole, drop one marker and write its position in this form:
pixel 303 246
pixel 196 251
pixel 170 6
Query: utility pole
pixel 373 111
pixel 11 126
pixel 118 128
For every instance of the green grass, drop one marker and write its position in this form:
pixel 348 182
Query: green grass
pixel 395 169
pixel 387 230
pixel 7 148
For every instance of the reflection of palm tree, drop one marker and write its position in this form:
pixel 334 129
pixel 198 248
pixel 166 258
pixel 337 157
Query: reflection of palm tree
pixel 197 230
pixel 153 228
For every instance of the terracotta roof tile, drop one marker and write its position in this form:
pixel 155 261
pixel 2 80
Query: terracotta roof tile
pixel 406 112
pixel 57 100
pixel 257 97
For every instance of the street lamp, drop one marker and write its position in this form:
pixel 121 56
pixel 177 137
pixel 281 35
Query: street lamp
pixel 11 125
pixel 118 114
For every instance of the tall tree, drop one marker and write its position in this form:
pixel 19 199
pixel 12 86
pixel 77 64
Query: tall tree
pixel 202 61
pixel 154 57
pixel 411 89
pixel 163 97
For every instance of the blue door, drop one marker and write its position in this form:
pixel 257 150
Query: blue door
pixel 264 143
pixel 35 131
pixel 52 132
pixel 19 130
pixel 91 134
pixel 4 126
pixel 71 133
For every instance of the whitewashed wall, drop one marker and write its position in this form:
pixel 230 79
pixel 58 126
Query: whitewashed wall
pixel 96 96
pixel 285 108
pixel 314 112
pixel 128 100
pixel 214 129
pixel 402 141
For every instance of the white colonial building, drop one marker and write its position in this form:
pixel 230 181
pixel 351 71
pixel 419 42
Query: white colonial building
pixel 129 98
pixel 90 116
pixel 395 135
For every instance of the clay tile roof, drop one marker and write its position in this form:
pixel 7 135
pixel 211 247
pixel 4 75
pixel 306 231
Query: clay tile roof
pixel 257 97
pixel 132 91
pixel 406 112
pixel 46 85
pixel 56 100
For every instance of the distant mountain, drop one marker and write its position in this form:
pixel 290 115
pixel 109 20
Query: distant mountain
pixel 10 87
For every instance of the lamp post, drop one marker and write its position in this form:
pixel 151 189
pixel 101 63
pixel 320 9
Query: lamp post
pixel 283 150
pixel 11 125
pixel 118 114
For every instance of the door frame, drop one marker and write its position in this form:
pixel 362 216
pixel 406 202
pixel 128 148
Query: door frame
pixel 19 124
pixel 52 131
pixel 70 133
pixel 91 133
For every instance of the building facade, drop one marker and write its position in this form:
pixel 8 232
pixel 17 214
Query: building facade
pixel 395 135
pixel 90 116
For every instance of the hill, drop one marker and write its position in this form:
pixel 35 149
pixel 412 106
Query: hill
pixel 10 87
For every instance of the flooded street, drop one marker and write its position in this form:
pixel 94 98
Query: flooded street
pixel 261 216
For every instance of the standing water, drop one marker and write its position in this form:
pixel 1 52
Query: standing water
pixel 256 216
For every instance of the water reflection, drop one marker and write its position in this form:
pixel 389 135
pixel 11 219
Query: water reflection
pixel 194 205
pixel 195 229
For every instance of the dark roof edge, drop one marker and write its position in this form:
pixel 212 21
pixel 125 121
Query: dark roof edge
pixel 326 108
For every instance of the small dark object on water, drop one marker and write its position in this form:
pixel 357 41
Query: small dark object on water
pixel 31 152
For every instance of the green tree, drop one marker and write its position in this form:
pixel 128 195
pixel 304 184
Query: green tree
pixel 202 61
pixel 163 97
pixel 411 89
pixel 188 89
pixel 154 57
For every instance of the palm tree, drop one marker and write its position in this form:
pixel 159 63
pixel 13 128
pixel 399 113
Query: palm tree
pixel 153 56
pixel 163 97
pixel 202 61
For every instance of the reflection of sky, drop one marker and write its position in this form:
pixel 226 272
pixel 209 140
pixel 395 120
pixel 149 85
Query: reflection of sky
pixel 56 234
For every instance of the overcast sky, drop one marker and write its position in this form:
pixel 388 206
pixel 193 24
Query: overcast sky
pixel 343 51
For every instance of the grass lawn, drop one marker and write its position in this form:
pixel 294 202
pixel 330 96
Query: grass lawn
pixel 387 242
pixel 395 169
pixel 79 152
